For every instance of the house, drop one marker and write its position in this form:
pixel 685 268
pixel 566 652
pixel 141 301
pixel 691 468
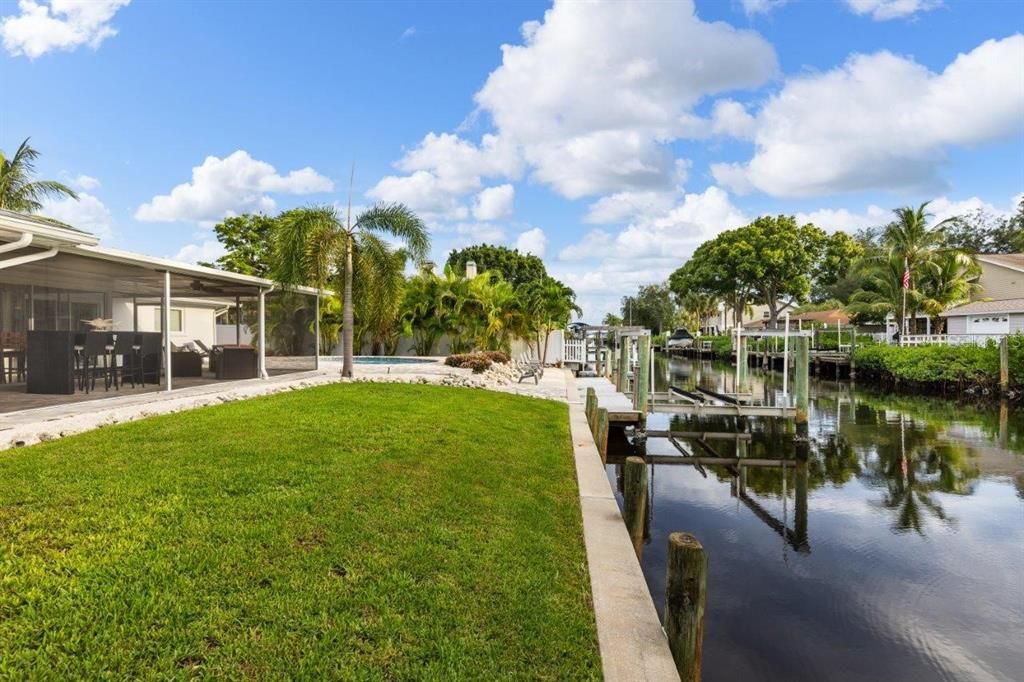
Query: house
pixel 989 318
pixel 1002 276
pixel 57 284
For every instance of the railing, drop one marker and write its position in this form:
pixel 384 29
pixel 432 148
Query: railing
pixel 949 339
pixel 573 350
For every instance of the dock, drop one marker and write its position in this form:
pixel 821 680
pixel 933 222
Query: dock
pixel 620 406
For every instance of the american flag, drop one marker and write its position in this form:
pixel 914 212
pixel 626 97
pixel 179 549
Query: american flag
pixel 906 279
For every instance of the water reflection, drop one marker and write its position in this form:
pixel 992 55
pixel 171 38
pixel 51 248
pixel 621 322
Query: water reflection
pixel 887 547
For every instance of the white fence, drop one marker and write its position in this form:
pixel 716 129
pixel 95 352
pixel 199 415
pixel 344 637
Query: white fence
pixel 949 339
pixel 574 350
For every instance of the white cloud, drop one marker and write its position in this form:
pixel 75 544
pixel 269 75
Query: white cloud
pixel 622 206
pixel 595 244
pixel 832 220
pixel 65 25
pixel 494 203
pixel 408 33
pixel 207 252
pixel 593 110
pixel 752 7
pixel 235 184
pixel 881 121
pixel 87 213
pixel 941 208
pixel 423 192
pixel 602 266
pixel 883 10
pixel 442 169
pixel 85 182
pixel 532 241
pixel 731 118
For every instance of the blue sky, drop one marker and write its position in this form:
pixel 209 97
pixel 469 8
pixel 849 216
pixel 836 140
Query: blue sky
pixel 610 138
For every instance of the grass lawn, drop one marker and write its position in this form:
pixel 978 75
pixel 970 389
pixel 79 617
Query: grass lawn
pixel 362 531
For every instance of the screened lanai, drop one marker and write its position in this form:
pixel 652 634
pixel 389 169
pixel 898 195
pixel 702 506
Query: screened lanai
pixel 81 322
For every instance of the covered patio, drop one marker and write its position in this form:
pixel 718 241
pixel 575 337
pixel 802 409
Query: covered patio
pixel 79 322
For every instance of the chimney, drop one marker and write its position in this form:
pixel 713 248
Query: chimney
pixel 470 269
pixel 428 266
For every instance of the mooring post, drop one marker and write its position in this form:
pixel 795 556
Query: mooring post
pixel 623 384
pixel 744 361
pixel 853 353
pixel 634 501
pixel 801 378
pixel 598 360
pixel 591 408
pixel 1004 365
pixel 643 374
pixel 601 434
pixel 686 589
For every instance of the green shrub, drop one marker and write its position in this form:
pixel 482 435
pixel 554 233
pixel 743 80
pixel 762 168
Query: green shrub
pixel 935 364
pixel 479 361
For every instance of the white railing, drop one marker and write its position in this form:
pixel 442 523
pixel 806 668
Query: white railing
pixel 573 350
pixel 948 339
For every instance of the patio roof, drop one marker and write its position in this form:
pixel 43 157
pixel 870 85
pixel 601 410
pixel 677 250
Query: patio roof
pixel 81 264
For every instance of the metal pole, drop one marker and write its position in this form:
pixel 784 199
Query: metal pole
pixel 785 361
pixel 316 330
pixel 135 314
pixel 238 320
pixel 166 315
pixel 263 336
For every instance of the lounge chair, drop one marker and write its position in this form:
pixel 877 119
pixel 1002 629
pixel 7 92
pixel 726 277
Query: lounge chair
pixel 528 368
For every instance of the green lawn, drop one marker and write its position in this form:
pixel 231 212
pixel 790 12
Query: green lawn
pixel 358 531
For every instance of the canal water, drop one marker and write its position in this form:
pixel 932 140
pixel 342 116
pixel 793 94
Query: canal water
pixel 905 560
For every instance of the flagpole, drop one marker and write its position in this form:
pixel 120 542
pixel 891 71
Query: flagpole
pixel 903 320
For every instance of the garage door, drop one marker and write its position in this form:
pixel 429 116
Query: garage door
pixel 988 324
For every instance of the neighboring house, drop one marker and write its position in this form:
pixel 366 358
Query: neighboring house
pixel 820 318
pixel 754 317
pixel 1002 276
pixel 991 318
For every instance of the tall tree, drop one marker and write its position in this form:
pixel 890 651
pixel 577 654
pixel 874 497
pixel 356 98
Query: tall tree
pixel 315 246
pixel 248 240
pixel 651 307
pixel 549 305
pixel 831 270
pixel 18 190
pixel 515 268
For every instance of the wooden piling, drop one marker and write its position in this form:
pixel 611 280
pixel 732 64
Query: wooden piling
pixel 623 384
pixel 1004 365
pixel 634 501
pixel 853 353
pixel 686 589
pixel 601 434
pixel 742 363
pixel 643 374
pixel 598 360
pixel 801 379
pixel 591 408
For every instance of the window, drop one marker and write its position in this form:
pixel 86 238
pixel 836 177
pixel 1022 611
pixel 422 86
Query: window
pixel 177 320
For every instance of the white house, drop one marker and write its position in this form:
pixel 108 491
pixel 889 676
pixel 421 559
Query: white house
pixel 992 318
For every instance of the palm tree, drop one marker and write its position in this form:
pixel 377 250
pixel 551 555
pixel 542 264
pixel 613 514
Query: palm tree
pixel 881 290
pixel 18 191
pixel 423 315
pixel 549 305
pixel 949 280
pixel 377 296
pixel 911 238
pixel 314 246
pixel 502 312
pixel 330 322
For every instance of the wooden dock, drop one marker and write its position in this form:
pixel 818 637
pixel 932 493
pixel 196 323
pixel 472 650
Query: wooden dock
pixel 620 406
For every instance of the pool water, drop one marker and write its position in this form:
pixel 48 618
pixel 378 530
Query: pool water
pixel 383 360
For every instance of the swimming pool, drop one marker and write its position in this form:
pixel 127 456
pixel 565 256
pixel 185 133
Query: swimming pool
pixel 383 360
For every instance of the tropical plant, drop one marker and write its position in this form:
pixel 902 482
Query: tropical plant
pixel 377 297
pixel 502 315
pixel 422 314
pixel 949 281
pixel 330 323
pixel 18 191
pixel 548 305
pixel 314 246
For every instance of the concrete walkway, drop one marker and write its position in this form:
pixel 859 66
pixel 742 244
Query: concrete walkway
pixel 633 644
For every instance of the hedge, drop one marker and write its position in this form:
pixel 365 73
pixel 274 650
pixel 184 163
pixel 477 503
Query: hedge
pixel 942 365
